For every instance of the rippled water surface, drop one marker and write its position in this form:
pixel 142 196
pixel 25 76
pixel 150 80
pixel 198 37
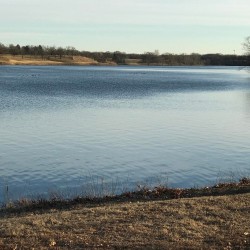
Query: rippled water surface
pixel 59 126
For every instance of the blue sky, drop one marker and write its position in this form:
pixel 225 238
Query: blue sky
pixel 174 26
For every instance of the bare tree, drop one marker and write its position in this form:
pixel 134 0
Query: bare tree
pixel 60 52
pixel 2 48
pixel 246 45
pixel 14 50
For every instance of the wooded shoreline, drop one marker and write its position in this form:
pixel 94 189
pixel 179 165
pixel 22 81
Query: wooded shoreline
pixel 117 58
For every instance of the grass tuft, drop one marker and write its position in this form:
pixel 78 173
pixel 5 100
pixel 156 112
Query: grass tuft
pixel 143 193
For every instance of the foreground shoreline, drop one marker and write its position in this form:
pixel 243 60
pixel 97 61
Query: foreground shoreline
pixel 215 217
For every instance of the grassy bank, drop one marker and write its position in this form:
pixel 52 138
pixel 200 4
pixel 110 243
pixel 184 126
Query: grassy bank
pixel 37 60
pixel 221 222
pixel 216 217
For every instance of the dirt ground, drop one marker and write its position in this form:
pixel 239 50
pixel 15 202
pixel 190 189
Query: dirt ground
pixel 221 222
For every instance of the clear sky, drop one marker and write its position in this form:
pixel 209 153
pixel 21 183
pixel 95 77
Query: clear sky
pixel 174 26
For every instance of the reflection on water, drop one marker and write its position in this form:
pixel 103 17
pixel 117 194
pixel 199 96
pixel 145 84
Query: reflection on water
pixel 61 125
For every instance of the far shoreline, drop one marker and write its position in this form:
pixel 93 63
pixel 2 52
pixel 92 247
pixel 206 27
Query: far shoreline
pixel 9 60
pixel 18 60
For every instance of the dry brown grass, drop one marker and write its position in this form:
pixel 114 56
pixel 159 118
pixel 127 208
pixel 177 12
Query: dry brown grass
pixel 36 60
pixel 221 222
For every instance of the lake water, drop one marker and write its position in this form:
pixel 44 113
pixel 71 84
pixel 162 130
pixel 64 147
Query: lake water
pixel 62 127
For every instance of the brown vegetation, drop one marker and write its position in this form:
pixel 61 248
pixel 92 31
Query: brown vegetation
pixel 37 60
pixel 144 219
pixel 221 222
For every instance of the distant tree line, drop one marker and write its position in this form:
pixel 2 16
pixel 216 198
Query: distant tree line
pixel 41 51
pixel 148 58
pixel 226 60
